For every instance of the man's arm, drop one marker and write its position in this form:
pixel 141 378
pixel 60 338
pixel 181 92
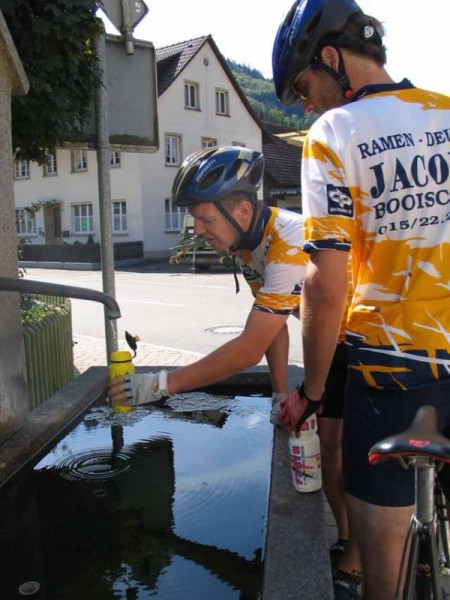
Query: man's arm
pixel 323 301
pixel 277 355
pixel 243 351
pixel 239 353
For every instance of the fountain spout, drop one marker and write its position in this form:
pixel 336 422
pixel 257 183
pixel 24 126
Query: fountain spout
pixel 26 286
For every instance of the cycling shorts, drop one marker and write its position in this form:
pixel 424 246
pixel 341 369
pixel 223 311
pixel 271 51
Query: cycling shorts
pixel 371 415
pixel 333 404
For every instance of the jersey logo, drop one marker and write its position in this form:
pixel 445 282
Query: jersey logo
pixel 339 201
pixel 297 289
pixel 250 274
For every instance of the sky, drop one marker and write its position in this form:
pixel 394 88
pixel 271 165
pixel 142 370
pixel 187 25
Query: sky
pixel 417 33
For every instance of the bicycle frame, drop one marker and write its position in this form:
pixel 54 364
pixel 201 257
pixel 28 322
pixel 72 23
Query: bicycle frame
pixel 424 539
pixel 424 448
pixel 440 504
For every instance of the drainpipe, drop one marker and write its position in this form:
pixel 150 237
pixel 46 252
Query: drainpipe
pixel 25 286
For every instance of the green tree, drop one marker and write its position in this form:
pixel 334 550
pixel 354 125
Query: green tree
pixel 54 42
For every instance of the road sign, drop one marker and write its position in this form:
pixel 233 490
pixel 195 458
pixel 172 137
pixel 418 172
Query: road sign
pixel 133 120
pixel 124 14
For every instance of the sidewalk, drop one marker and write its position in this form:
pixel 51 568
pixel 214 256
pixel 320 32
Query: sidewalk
pixel 91 352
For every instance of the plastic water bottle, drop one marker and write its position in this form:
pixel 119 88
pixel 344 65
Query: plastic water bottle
pixel 121 364
pixel 304 452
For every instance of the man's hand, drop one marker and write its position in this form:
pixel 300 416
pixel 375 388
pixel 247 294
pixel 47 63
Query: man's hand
pixel 297 407
pixel 139 389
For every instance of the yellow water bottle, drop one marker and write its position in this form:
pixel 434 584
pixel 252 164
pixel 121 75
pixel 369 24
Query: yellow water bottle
pixel 121 364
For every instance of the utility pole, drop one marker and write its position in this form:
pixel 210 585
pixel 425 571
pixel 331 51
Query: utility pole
pixel 125 15
pixel 104 195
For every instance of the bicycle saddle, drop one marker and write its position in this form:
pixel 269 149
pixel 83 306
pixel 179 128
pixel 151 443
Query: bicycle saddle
pixel 421 439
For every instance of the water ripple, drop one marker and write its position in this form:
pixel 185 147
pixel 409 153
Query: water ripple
pixel 93 465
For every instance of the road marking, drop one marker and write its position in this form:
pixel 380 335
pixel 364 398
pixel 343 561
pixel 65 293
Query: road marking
pixel 119 280
pixel 191 285
pixel 120 300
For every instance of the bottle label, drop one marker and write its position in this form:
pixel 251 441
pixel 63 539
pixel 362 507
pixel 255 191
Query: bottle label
pixel 310 424
pixel 305 466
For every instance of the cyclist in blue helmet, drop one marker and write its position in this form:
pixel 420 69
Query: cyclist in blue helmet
pixel 219 186
pixel 307 28
pixel 362 191
pixel 311 25
pixel 216 174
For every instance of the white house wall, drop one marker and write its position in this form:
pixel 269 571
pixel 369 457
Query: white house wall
pixel 143 180
pixel 69 188
pixel 192 125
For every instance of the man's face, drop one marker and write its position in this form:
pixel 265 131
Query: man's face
pixel 318 91
pixel 211 225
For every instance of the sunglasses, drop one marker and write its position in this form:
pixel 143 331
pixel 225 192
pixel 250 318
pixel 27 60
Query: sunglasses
pixel 301 91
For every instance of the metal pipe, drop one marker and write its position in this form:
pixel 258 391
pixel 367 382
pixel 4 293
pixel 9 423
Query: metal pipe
pixel 26 286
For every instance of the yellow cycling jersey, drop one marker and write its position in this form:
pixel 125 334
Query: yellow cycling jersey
pixel 275 268
pixel 376 181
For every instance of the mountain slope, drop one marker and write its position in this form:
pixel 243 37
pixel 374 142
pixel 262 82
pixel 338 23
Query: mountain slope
pixel 260 93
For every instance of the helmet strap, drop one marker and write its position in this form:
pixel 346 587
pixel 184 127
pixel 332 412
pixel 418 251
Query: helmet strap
pixel 236 280
pixel 246 238
pixel 340 76
pixel 229 218
pixel 244 235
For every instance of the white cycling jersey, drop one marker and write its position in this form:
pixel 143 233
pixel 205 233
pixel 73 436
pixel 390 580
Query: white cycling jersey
pixel 376 180
pixel 275 268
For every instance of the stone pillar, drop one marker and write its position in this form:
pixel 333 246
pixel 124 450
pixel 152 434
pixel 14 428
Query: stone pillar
pixel 13 387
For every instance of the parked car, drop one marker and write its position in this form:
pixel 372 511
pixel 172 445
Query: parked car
pixel 194 250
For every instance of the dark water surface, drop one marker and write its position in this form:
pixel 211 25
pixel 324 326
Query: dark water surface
pixel 167 503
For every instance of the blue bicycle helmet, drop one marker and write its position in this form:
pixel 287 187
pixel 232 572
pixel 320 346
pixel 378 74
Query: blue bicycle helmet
pixel 213 174
pixel 299 36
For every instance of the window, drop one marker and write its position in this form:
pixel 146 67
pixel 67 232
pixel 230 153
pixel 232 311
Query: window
pixel 79 160
pixel 238 144
pixel 115 160
pixel 174 215
pixel 82 218
pixel 222 107
pixel 21 169
pixel 51 166
pixel 119 216
pixel 25 222
pixel 208 142
pixel 173 143
pixel 191 95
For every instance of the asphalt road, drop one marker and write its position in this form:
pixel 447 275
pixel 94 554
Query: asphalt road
pixel 167 305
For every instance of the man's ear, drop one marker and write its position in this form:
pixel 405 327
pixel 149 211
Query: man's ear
pixel 330 57
pixel 247 207
pixel 244 209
